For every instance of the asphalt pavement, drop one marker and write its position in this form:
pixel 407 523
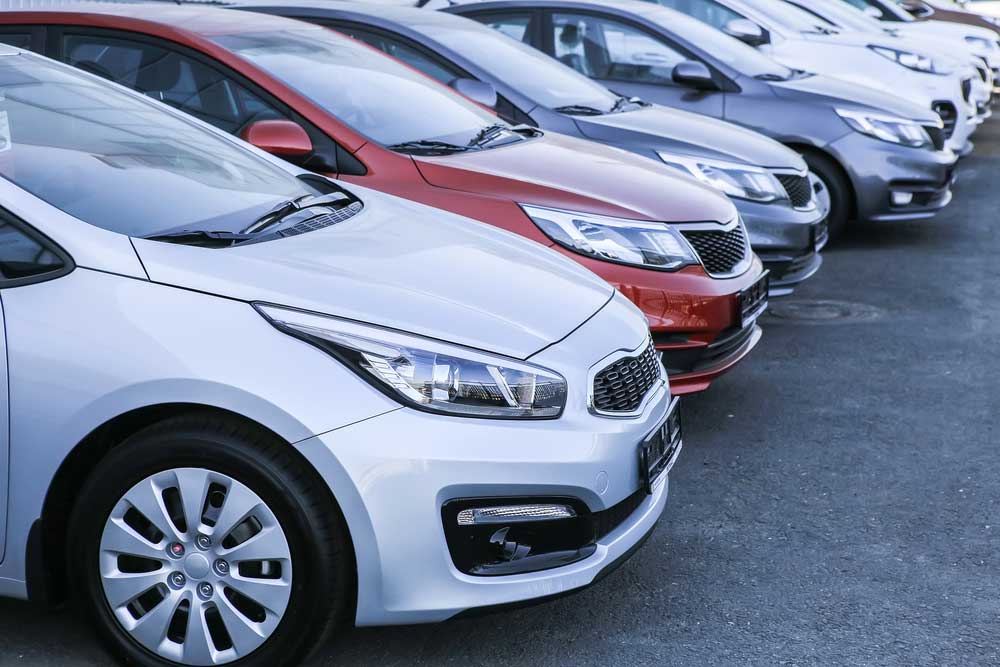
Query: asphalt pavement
pixel 836 502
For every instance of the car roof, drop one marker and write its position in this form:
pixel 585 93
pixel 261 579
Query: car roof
pixel 198 18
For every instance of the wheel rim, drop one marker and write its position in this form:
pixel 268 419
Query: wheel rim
pixel 822 190
pixel 195 566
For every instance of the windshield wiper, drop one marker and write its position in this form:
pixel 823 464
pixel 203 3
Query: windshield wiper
pixel 427 145
pixel 282 211
pixel 623 102
pixel 580 110
pixel 201 237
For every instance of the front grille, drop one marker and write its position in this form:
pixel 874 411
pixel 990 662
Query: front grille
pixel 937 136
pixel 949 116
pixel 799 189
pixel 622 386
pixel 720 252
pixel 966 89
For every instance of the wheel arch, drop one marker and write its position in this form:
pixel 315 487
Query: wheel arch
pixel 803 148
pixel 46 565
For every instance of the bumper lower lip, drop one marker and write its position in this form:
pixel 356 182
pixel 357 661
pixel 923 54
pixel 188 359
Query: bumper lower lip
pixel 707 363
pixel 786 274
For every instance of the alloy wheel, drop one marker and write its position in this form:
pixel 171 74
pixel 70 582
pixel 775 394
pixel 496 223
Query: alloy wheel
pixel 195 566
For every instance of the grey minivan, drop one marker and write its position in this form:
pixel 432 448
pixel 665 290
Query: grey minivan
pixel 881 157
pixel 769 183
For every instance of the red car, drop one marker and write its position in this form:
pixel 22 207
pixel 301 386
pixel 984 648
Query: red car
pixel 333 105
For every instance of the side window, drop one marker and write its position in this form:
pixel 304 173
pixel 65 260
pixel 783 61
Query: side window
pixel 403 52
pixel 19 40
pixel 514 25
pixel 24 257
pixel 170 77
pixel 607 49
pixel 711 12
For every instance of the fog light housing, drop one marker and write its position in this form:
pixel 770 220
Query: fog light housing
pixel 505 514
pixel 901 198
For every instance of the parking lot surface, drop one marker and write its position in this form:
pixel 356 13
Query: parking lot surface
pixel 836 502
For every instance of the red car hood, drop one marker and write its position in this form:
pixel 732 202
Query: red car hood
pixel 567 173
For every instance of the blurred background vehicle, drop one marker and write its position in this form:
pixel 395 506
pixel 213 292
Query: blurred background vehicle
pixel 880 157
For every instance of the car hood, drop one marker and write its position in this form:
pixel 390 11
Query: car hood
pixel 685 133
pixel 844 94
pixel 957 60
pixel 575 174
pixel 405 266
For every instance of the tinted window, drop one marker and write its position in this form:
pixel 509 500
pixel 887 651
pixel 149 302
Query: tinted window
pixel 513 25
pixel 16 39
pixel 21 256
pixel 379 97
pixel 711 12
pixel 607 49
pixel 531 72
pixel 122 162
pixel 400 51
pixel 170 77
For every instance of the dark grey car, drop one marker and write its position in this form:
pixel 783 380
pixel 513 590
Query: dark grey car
pixel 881 157
pixel 768 183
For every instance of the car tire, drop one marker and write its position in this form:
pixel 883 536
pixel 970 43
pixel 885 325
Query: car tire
pixel 307 590
pixel 832 178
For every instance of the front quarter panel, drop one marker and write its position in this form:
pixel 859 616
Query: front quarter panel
pixel 88 347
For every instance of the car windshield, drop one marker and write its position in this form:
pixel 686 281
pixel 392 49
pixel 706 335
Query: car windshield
pixel 535 75
pixel 106 156
pixel 376 95
pixel 739 56
pixel 897 11
pixel 791 17
pixel 841 15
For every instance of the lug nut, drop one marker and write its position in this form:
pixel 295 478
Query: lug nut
pixel 203 542
pixel 221 567
pixel 176 549
pixel 177 580
pixel 205 590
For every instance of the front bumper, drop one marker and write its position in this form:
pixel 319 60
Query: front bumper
pixel 688 312
pixel 877 169
pixel 787 240
pixel 393 475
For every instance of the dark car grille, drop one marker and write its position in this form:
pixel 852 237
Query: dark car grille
pixel 966 89
pixel 949 116
pixel 720 252
pixel 622 386
pixel 324 220
pixel 799 188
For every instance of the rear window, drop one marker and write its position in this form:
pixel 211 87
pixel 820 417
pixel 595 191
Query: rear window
pixel 107 157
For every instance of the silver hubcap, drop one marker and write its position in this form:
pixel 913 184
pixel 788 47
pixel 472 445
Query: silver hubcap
pixel 195 566
pixel 822 193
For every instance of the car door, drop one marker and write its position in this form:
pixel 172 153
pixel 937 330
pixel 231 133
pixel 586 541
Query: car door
pixel 26 257
pixel 627 58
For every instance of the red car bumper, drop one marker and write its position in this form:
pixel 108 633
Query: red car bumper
pixel 698 323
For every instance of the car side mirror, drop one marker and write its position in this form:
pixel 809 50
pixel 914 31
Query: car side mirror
pixel 693 74
pixel 477 91
pixel 876 13
pixel 747 32
pixel 283 138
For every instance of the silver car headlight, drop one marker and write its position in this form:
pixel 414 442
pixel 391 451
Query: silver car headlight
pixel 736 180
pixel 911 60
pixel 650 245
pixel 428 374
pixel 887 128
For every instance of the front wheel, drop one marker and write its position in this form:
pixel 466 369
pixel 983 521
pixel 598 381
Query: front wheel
pixel 832 189
pixel 200 541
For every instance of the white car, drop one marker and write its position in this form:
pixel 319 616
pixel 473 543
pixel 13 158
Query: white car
pixel 798 40
pixel 243 404
pixel 938 41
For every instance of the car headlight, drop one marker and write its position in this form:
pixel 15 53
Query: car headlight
pixel 887 128
pixel 650 245
pixel 428 374
pixel 736 180
pixel 910 60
